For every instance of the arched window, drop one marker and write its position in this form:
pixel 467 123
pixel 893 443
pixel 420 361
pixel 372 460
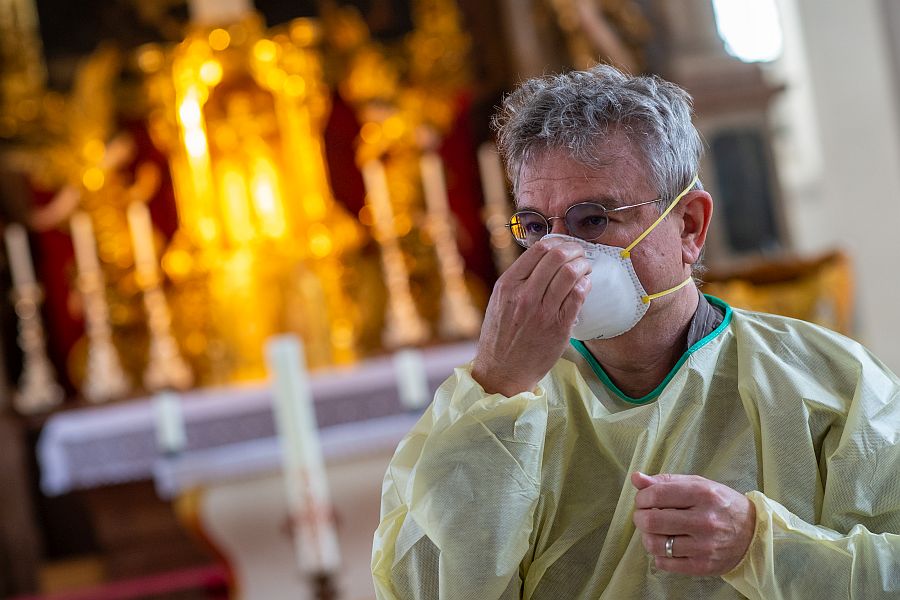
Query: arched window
pixel 751 30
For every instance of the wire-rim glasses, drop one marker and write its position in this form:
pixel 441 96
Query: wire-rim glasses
pixel 585 220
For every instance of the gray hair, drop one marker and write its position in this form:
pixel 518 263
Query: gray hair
pixel 576 111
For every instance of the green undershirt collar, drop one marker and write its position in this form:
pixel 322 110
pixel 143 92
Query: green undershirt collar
pixel 601 374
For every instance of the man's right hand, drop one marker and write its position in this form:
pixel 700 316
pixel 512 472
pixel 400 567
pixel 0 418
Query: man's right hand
pixel 530 315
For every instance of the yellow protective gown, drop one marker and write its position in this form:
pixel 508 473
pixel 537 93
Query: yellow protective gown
pixel 529 497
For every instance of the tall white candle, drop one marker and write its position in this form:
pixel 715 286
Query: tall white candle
pixel 83 241
pixel 171 434
pixel 304 469
pixel 412 380
pixel 142 239
pixel 493 181
pixel 496 205
pixel 433 183
pixel 19 256
pixel 218 12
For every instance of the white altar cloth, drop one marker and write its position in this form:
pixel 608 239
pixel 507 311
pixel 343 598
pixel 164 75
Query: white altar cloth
pixel 345 442
pixel 116 443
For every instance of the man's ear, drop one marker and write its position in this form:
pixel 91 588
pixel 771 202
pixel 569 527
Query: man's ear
pixel 696 213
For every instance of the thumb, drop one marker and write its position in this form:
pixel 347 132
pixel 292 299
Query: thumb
pixel 641 481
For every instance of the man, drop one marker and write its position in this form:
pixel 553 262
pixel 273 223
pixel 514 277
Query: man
pixel 619 435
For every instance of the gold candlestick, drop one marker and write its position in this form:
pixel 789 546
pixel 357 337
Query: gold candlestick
pixel 459 317
pixel 165 366
pixel 403 324
pixel 496 211
pixel 104 378
pixel 38 390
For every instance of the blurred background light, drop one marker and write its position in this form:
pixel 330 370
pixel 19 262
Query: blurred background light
pixel 751 30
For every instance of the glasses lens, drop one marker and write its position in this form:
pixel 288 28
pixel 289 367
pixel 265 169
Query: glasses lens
pixel 586 221
pixel 528 227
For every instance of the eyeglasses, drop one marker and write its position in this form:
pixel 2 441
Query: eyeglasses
pixel 585 220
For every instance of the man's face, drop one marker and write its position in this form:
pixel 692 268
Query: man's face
pixel 552 182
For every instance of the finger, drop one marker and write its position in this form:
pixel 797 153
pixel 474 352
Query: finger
pixel 683 546
pixel 673 477
pixel 676 494
pixel 667 521
pixel 563 281
pixel 552 260
pixel 562 252
pixel 640 480
pixel 523 266
pixel 574 301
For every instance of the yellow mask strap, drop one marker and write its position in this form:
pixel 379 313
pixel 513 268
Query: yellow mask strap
pixel 627 251
pixel 646 299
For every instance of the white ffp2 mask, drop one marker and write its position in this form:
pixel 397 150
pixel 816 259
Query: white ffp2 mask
pixel 617 300
pixel 613 306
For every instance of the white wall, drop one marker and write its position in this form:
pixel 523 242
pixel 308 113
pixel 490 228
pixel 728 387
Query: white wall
pixel 855 204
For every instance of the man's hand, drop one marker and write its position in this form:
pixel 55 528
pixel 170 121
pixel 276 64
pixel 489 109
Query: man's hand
pixel 530 315
pixel 711 524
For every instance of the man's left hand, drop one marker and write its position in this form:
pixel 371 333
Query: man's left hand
pixel 711 525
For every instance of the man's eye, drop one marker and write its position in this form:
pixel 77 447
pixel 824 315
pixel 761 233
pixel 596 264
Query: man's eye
pixel 535 228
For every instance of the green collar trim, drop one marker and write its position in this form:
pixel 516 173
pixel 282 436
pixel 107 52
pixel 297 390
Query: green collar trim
pixel 601 374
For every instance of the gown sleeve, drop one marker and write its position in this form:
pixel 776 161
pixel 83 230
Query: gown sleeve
pixel 459 496
pixel 853 551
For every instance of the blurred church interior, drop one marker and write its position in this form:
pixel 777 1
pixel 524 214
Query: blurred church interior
pixel 245 241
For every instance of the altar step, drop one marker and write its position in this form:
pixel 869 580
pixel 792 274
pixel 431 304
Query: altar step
pixel 195 583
